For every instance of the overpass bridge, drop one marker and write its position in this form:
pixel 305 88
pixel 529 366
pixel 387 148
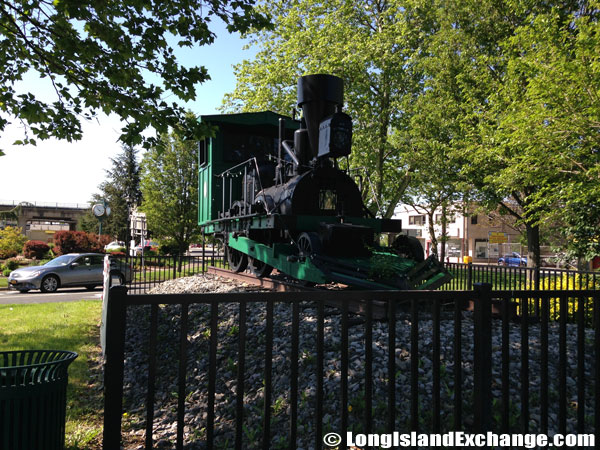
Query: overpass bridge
pixel 39 220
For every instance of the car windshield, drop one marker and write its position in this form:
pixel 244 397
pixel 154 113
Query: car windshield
pixel 60 261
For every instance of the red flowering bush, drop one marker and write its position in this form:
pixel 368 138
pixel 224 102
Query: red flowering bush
pixel 99 241
pixel 79 242
pixel 35 249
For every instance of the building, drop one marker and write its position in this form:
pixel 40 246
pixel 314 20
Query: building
pixel 479 236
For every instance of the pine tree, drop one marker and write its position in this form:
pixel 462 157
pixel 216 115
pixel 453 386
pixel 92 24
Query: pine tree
pixel 121 186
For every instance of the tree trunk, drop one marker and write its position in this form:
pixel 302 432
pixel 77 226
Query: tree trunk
pixel 443 237
pixel 401 187
pixel 434 242
pixel 533 245
pixel 180 253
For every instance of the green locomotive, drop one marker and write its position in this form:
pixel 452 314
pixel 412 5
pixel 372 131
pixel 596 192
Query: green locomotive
pixel 271 188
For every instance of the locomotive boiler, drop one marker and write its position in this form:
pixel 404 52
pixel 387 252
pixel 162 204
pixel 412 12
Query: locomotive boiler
pixel 271 188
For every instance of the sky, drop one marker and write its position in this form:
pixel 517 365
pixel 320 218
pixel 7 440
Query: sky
pixel 57 171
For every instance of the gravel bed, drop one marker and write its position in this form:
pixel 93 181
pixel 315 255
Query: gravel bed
pixel 136 367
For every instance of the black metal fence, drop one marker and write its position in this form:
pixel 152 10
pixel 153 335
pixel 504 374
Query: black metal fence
pixel 519 278
pixel 150 271
pixel 280 370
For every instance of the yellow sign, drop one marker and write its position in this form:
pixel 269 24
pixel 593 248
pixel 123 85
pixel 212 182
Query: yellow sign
pixel 496 237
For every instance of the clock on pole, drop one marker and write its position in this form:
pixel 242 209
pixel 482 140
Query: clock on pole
pixel 101 212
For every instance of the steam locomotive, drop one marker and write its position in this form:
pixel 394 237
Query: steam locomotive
pixel 271 188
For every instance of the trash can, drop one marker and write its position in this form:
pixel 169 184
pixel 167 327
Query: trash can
pixel 33 399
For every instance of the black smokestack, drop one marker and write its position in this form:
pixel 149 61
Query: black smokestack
pixel 318 96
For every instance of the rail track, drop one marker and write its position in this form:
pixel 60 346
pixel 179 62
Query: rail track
pixel 281 284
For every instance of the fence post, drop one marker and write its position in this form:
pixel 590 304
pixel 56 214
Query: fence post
pixel 482 370
pixel 114 367
pixel 204 251
pixel 469 276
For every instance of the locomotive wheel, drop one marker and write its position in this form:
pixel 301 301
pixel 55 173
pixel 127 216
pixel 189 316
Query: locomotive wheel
pixel 409 247
pixel 237 260
pixel 308 243
pixel 258 268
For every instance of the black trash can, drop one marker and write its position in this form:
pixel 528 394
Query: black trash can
pixel 33 399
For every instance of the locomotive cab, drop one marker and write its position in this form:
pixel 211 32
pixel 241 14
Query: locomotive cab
pixel 238 138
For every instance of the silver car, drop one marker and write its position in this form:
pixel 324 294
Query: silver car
pixel 74 269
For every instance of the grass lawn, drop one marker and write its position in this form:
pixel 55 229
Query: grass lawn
pixel 3 282
pixel 64 326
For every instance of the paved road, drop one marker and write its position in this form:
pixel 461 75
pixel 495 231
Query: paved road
pixel 62 295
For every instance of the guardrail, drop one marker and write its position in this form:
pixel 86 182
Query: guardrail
pixel 13 203
pixel 431 367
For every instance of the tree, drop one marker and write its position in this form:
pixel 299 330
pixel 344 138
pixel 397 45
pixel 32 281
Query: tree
pixel 367 44
pixel 547 121
pixel 469 61
pixel 519 154
pixel 11 242
pixel 121 186
pixel 169 185
pixel 106 56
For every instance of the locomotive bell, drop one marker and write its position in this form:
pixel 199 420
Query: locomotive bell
pixel 320 96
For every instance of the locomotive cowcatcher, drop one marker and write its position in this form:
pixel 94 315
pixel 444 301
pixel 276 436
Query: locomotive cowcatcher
pixel 271 188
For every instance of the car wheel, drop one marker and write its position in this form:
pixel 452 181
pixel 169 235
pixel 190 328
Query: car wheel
pixel 90 287
pixel 49 284
pixel 119 276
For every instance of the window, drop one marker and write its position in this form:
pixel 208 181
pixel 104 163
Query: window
pixel 83 261
pixel 202 153
pixel 416 220
pixel 481 248
pixel 474 219
pixel 327 200
pixel 240 146
pixel 97 260
pixel 449 218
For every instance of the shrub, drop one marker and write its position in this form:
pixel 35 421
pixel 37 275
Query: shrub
pixel 11 242
pixel 572 281
pixel 41 262
pixel 35 249
pixel 97 242
pixel 6 272
pixel 11 264
pixel 78 242
pixel 71 242
pixel 168 247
